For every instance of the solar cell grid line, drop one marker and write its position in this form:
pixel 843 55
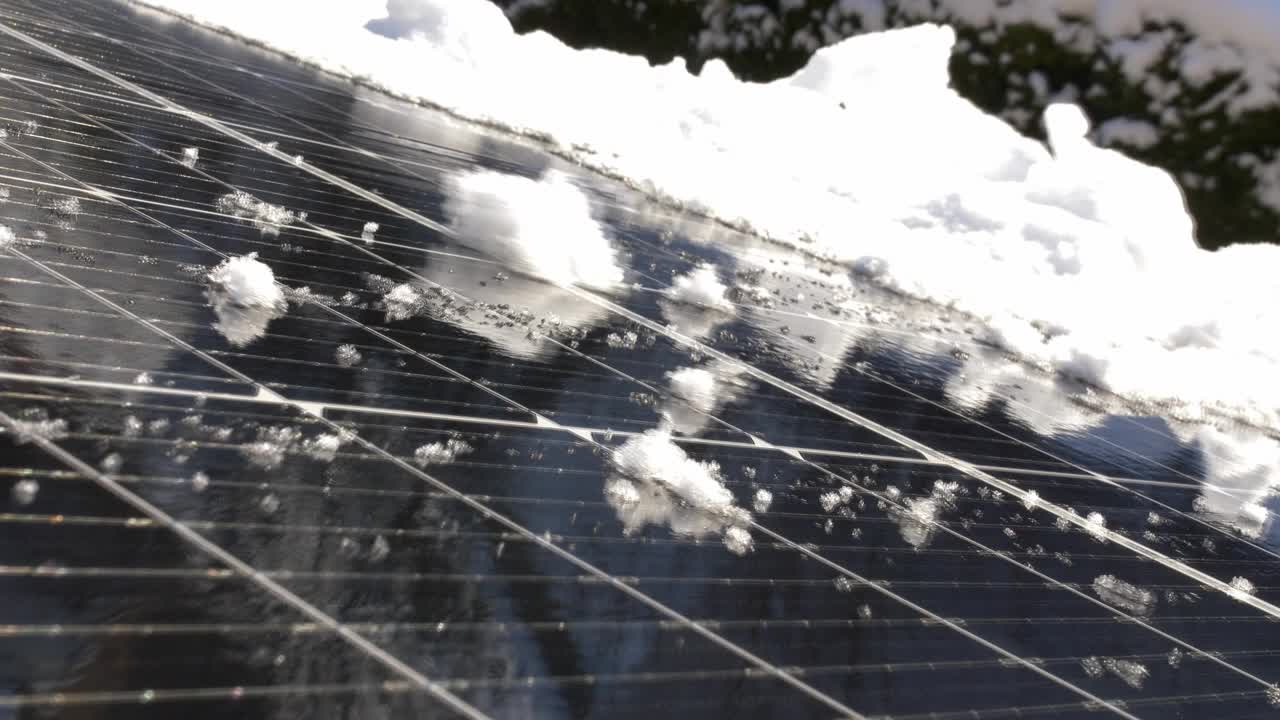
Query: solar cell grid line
pixel 303 77
pixel 286 489
pixel 317 228
pixel 157 46
pixel 475 505
pixel 1116 562
pixel 962 340
pixel 82 92
pixel 333 311
pixel 1144 427
pixel 598 431
pixel 135 46
pixel 221 127
pixel 1091 474
pixel 963 466
pixel 406 413
pixel 242 569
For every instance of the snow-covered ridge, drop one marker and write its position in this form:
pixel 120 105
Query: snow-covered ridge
pixel 1230 35
pixel 1081 259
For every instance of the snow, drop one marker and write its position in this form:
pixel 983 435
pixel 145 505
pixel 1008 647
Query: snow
pixel 6 236
pixel 1241 588
pixel 918 518
pixel 541 228
pixel 702 288
pixel 1096 526
pixel 266 217
pixel 441 453
pixel 762 500
pixel 1094 247
pixel 36 423
pixel 696 386
pixel 323 448
pixel 347 355
pixel 402 302
pixel 64 207
pixel 24 492
pixel 655 483
pixel 696 393
pixel 247 281
pixel 367 232
pixel 272 444
pixel 190 156
pixel 1133 673
pixel 245 298
pixel 1123 595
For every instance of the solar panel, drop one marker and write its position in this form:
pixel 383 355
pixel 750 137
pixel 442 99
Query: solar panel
pixel 370 507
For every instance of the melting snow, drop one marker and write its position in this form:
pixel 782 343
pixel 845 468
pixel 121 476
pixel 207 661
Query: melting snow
pixel 702 288
pixel 1031 499
pixel 542 228
pixel 696 393
pixel 441 453
pixel 323 447
pixel 347 355
pixel 1134 674
pixel 1123 595
pixel 1092 666
pixel 762 500
pixel 1096 526
pixel 266 217
pixel 402 302
pixel 63 207
pixel 695 385
pixel 24 492
pixel 35 423
pixel 918 522
pixel 245 298
pixel 269 503
pixel 657 483
pixel 273 443
pixel 1241 588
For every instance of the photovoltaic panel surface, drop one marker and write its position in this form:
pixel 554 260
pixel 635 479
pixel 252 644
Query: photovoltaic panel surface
pixel 360 507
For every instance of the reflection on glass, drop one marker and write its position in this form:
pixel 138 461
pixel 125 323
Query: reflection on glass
pixel 511 311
